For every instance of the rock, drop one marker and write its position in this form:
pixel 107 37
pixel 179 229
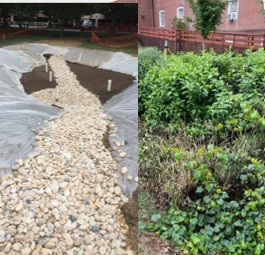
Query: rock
pixel 122 154
pixel 16 167
pixel 67 155
pixel 46 251
pixel 28 201
pixel 20 162
pixel 124 170
pixel 2 236
pixel 72 218
pixel 54 187
pixel 95 229
pixel 62 185
pixel 88 239
pixel 39 138
pixel 43 240
pixel 68 240
pixel 11 230
pixel 66 193
pixel 26 251
pixel 129 177
pixel 19 206
pixel 51 244
pixel 54 203
pixel 120 251
pixel 7 247
pixel 17 247
pixel 117 191
pixel 102 250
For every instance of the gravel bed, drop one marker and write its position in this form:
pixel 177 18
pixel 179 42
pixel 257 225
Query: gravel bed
pixel 65 197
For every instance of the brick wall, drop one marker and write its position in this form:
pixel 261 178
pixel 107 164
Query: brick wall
pixel 249 16
pixel 145 13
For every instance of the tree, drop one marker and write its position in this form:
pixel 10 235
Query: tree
pixel 5 9
pixel 208 15
pixel 65 12
pixel 25 13
pixel 117 11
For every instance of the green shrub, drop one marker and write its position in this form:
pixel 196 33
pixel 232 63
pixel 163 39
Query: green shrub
pixel 203 91
pixel 148 57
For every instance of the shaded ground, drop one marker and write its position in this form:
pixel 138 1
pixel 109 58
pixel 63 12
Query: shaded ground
pixel 151 244
pixel 95 80
pixel 130 210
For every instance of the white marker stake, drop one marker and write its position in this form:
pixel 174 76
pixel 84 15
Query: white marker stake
pixel 57 93
pixel 50 76
pixel 109 85
pixel 46 67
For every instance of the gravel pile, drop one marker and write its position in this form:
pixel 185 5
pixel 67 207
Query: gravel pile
pixel 65 197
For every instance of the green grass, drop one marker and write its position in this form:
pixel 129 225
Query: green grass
pixel 146 207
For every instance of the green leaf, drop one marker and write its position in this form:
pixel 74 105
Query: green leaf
pixel 197 174
pixel 199 190
pixel 206 199
pixel 155 217
pixel 195 239
pixel 238 223
pixel 190 165
pixel 220 201
pixel 193 221
pixel 178 155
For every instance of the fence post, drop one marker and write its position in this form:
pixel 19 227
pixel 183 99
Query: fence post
pixel 4 37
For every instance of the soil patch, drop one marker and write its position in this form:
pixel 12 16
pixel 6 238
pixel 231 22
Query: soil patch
pixel 95 80
pixel 130 212
pixel 92 78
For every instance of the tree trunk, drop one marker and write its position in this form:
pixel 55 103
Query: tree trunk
pixel 203 44
pixel 113 20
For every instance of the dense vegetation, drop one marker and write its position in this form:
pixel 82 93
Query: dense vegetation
pixel 201 149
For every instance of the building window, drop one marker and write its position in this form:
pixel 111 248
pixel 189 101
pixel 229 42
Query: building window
pixel 162 18
pixel 180 12
pixel 232 13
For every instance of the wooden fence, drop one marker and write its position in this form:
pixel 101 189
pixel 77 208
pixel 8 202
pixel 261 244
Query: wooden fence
pixel 190 40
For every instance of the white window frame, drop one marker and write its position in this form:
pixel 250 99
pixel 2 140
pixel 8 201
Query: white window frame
pixel 232 15
pixel 162 18
pixel 180 12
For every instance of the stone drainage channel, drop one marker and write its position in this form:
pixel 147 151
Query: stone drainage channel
pixel 65 197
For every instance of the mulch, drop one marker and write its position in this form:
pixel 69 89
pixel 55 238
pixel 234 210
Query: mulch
pixel 93 79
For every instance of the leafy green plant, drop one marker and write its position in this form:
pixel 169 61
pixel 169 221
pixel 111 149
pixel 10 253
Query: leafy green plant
pixel 148 57
pixel 204 91
pixel 201 143
pixel 178 23
pixel 216 221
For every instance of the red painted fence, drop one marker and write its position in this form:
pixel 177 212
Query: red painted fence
pixel 219 40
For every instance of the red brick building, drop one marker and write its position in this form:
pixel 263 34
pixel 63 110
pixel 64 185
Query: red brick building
pixel 240 15
pixel 126 1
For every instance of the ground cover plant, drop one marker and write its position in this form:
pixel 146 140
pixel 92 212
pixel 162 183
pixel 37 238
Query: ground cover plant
pixel 201 150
